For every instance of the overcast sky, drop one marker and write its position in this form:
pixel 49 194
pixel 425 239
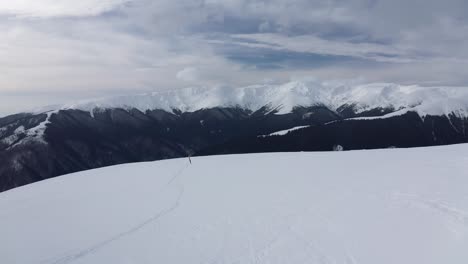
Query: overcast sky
pixel 60 50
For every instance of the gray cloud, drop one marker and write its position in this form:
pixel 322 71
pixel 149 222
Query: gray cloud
pixel 94 47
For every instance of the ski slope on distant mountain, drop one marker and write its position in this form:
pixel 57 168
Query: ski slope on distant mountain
pixel 364 207
pixel 284 132
pixel 284 97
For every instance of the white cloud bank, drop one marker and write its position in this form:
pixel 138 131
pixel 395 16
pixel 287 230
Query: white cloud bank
pixel 57 8
pixel 188 74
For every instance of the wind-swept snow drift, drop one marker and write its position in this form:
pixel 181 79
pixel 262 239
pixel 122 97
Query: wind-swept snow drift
pixel 386 206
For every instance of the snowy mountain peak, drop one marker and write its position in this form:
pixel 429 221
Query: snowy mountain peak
pixel 434 101
pixel 424 100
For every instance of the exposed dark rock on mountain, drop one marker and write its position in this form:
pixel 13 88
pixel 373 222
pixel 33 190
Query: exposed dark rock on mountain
pixel 34 147
pixel 403 131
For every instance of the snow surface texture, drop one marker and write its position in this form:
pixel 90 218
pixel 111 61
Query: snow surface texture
pixel 402 206
pixel 424 100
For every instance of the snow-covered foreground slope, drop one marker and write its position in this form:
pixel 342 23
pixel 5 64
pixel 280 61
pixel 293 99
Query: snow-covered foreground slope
pixel 386 206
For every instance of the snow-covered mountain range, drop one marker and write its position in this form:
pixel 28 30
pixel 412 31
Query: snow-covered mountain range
pixel 284 97
pixel 362 207
pixel 296 116
pixel 281 99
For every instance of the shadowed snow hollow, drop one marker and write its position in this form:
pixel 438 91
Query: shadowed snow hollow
pixel 386 206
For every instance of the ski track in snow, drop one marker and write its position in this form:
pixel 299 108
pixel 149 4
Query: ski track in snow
pixel 385 206
pixel 314 245
pixel 92 249
pixel 285 230
pixel 441 207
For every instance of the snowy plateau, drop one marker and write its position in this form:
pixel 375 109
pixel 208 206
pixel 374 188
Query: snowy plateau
pixel 393 206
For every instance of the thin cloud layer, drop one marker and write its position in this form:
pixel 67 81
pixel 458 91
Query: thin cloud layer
pixel 57 8
pixel 74 49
